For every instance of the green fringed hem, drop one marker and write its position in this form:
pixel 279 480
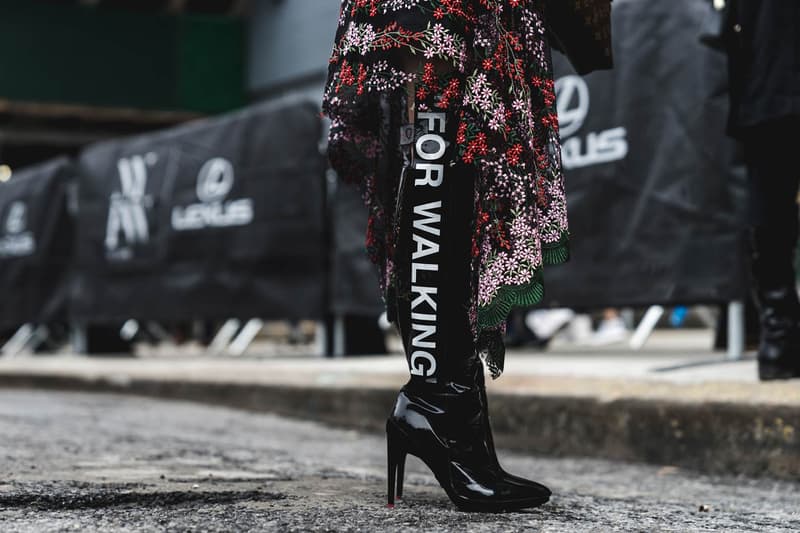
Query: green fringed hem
pixel 528 295
pixel 556 255
pixel 508 297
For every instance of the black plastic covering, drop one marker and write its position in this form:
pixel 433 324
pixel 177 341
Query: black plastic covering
pixel 655 192
pixel 354 286
pixel 215 219
pixel 36 244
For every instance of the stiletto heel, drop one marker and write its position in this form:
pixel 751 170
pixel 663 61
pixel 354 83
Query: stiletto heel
pixel 401 467
pixel 395 459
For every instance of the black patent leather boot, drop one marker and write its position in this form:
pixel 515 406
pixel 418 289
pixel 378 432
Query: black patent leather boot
pixel 446 430
pixel 776 294
pixel 440 415
pixel 779 346
pixel 467 427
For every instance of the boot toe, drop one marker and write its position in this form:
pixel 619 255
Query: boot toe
pixel 494 492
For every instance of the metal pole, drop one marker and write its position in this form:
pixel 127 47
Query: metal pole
pixel 736 330
pixel 320 339
pixel 26 339
pixel 17 342
pixel 646 327
pixel 338 336
pixel 245 337
pixel 78 337
pixel 224 336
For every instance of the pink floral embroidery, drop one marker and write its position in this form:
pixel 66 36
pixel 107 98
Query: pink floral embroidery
pixel 500 83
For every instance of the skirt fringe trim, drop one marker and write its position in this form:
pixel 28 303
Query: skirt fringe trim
pixel 508 297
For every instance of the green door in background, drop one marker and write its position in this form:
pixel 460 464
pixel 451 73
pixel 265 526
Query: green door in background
pixel 103 57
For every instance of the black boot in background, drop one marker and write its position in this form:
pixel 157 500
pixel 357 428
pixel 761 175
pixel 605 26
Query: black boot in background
pixel 773 178
pixel 776 295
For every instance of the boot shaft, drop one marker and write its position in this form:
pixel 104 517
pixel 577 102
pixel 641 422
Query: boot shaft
pixel 434 254
pixel 773 257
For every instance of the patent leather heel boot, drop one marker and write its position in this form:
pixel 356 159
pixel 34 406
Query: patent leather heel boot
pixel 439 415
pixel 444 430
pixel 779 348
pixel 776 295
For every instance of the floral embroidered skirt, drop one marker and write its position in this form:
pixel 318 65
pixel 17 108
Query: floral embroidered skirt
pixel 488 63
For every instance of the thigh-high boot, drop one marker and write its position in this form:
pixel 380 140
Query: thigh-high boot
pixel 440 415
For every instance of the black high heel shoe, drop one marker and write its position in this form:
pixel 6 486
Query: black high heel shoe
pixel 445 430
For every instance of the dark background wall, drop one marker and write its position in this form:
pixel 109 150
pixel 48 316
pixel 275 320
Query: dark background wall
pixel 76 54
pixel 289 44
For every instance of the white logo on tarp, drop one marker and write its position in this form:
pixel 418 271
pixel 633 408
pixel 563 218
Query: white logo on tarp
pixel 573 104
pixel 214 183
pixel 17 218
pixel 127 212
pixel 573 101
pixel 17 242
pixel 215 180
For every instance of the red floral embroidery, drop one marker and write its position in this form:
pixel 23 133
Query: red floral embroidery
pixel 487 62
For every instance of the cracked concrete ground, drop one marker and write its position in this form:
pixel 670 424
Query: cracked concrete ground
pixel 101 462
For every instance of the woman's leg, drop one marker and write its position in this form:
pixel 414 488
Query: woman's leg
pixel 441 413
pixel 773 178
pixel 433 256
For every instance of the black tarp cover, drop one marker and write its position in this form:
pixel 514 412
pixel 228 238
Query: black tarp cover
pixel 218 218
pixel 655 194
pixel 355 284
pixel 656 198
pixel 36 243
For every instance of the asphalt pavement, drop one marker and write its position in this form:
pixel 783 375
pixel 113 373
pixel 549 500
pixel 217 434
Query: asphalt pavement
pixel 674 403
pixel 105 462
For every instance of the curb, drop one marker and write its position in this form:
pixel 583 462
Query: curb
pixel 715 437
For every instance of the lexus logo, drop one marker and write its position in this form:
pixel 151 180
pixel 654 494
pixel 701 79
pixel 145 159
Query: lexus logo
pixel 127 223
pixel 572 102
pixel 215 210
pixel 16 221
pixel 215 180
pixel 17 242
pixel 588 148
